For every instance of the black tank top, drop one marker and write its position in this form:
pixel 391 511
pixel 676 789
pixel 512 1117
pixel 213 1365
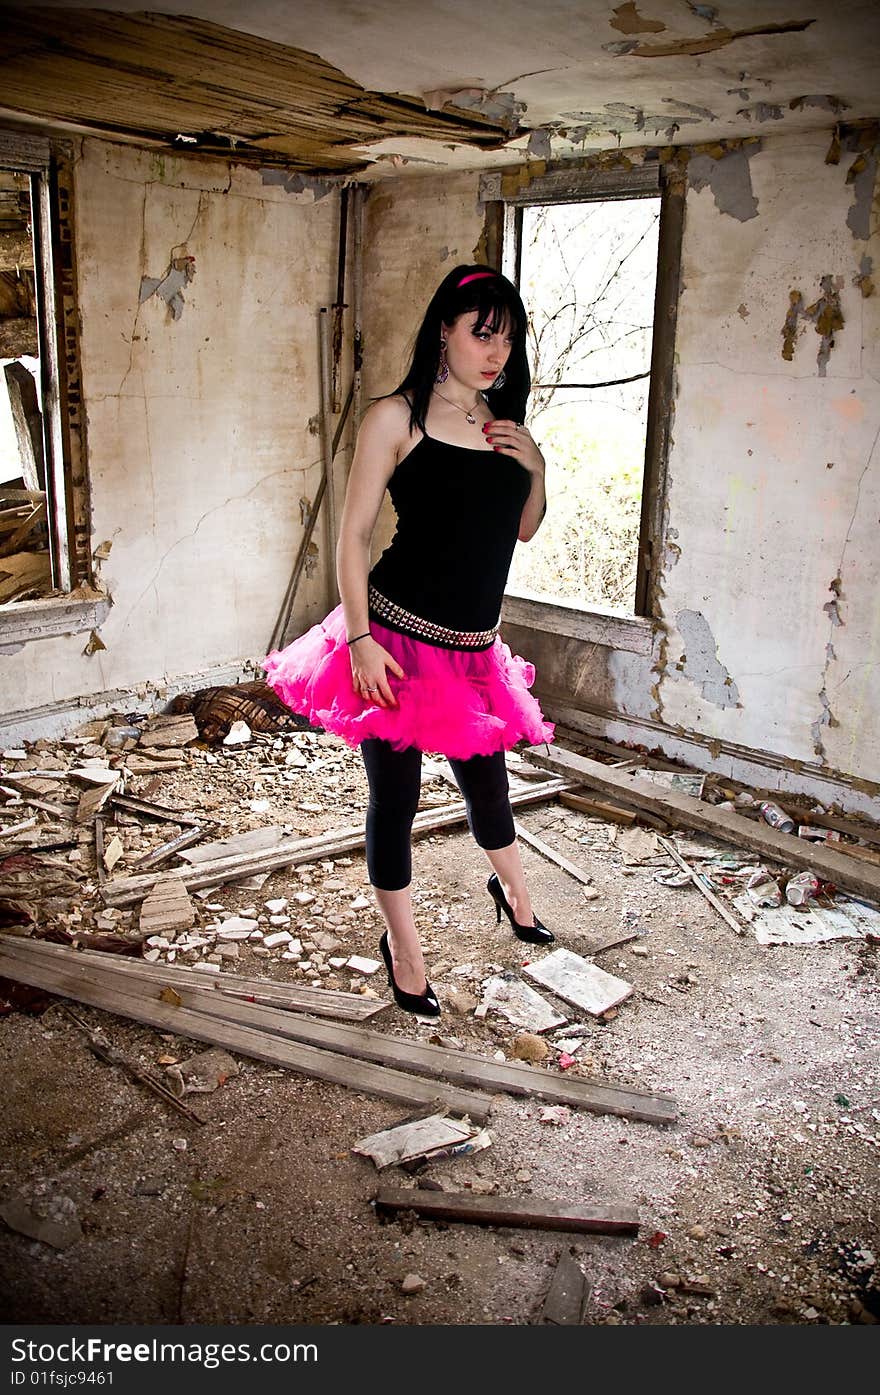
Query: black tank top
pixel 458 511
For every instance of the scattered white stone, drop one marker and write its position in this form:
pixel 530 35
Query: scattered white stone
pixel 338 963
pixel 279 920
pixel 239 734
pixel 236 928
pixel 413 1283
pixel 277 906
pixel 260 806
pixel 304 898
pixel 361 903
pixel 231 951
pixel 361 965
pixel 208 967
pixel 151 955
pixel 159 942
pixel 180 1144
pixel 280 937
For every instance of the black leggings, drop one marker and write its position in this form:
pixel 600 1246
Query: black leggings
pixel 395 780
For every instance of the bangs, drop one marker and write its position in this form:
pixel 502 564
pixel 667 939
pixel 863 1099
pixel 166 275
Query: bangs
pixel 495 309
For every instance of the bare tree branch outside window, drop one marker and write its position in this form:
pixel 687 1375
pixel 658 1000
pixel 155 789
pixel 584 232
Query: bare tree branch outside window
pixel 588 281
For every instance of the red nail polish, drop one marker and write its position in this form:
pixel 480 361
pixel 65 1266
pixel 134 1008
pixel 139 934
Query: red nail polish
pixel 496 447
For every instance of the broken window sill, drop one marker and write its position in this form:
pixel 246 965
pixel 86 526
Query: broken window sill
pixel 50 616
pixel 634 634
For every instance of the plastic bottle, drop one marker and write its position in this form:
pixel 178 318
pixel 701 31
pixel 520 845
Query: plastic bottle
pixel 776 817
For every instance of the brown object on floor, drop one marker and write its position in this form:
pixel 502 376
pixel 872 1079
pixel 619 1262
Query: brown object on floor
pixel 215 710
pixel 567 1295
pixel 530 1211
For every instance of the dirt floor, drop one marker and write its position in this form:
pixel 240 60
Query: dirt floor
pixel 762 1200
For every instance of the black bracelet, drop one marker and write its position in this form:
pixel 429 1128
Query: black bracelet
pixel 366 635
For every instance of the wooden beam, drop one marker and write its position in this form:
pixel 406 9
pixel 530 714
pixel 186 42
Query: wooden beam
pixel 310 1061
pixel 532 1212
pixel 723 824
pixel 552 855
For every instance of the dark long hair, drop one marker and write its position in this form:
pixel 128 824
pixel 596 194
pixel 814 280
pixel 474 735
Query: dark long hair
pixel 496 301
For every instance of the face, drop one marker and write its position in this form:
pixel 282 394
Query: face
pixel 477 356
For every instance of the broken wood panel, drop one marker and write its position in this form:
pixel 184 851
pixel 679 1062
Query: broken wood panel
pixel 158 75
pixel 440 1063
pixel 126 891
pixel 27 421
pixel 531 1212
pixel 598 808
pixel 322 1001
pixel 310 1061
pixel 723 824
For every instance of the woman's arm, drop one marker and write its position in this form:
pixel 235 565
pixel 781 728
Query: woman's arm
pixel 510 438
pixel 384 430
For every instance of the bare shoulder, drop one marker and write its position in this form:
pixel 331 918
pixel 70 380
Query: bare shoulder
pixel 389 416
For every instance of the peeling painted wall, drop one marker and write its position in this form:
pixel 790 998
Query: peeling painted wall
pixel 774 474
pixel 198 437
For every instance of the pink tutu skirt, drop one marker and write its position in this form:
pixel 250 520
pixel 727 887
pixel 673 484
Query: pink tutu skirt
pixel 454 702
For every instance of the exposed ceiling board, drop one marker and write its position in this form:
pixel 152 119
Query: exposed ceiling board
pixel 579 75
pixel 166 77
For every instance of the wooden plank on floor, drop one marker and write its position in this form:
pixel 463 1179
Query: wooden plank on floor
pixel 567 1295
pixel 314 1062
pixel 326 1002
pixel 723 824
pixel 532 1212
pixel 423 1058
pixel 552 855
pixel 125 891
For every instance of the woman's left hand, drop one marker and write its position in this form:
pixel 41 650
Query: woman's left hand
pixel 510 438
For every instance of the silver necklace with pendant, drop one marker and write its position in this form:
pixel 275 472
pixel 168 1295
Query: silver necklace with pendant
pixel 468 415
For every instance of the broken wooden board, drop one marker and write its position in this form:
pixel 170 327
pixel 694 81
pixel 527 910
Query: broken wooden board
pixel 532 1212
pixel 552 855
pixel 169 730
pixel 508 995
pixel 598 808
pixel 325 1002
pixel 567 1296
pixel 417 1139
pixel 167 907
pixel 314 1062
pixel 784 925
pixel 92 801
pixel 724 824
pixel 440 1063
pixel 256 840
pixel 579 982
pixel 126 891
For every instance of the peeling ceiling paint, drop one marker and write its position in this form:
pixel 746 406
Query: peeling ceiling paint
pixel 340 88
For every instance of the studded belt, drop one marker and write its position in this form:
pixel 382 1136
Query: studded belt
pixel 419 628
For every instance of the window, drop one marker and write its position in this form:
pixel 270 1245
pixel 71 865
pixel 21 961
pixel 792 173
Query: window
pixel 595 256
pixel 43 507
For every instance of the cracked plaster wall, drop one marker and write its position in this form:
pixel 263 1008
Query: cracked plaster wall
pixel 774 474
pixel 198 437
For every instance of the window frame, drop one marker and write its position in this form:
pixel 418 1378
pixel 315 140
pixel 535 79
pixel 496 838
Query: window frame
pixel 72 606
pixel 624 629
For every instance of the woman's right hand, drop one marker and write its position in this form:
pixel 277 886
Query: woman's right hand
pixel 369 662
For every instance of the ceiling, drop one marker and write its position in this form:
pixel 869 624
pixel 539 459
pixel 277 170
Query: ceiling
pixel 345 87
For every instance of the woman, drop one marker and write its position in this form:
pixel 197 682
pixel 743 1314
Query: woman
pixel 411 660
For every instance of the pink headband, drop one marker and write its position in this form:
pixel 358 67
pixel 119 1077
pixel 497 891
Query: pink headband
pixel 475 276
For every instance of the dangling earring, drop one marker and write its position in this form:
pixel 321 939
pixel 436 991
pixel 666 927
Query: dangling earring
pixel 499 382
pixel 443 367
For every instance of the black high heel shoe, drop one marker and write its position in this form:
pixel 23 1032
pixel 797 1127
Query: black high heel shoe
pixel 425 1004
pixel 536 934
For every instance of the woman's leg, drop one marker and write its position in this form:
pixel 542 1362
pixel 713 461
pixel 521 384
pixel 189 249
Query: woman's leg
pixel 483 783
pixel 395 779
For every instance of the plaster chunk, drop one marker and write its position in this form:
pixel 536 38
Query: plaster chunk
pixel 700 662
